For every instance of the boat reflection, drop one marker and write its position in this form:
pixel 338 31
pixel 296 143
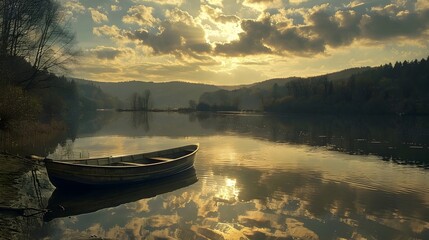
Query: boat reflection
pixel 66 202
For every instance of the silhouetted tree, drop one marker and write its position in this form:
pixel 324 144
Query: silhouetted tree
pixel 37 31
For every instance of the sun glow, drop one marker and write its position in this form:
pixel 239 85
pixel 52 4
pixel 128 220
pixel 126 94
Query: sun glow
pixel 223 33
pixel 229 192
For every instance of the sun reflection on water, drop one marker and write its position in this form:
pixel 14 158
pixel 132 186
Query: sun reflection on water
pixel 227 193
pixel 256 189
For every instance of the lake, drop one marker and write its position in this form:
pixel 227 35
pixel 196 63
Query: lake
pixel 256 177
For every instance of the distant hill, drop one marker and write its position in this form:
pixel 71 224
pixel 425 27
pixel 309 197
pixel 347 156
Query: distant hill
pixel 164 95
pixel 345 74
pixel 254 96
pixel 178 94
pixel 91 97
pixel 268 84
pixel 399 88
pixel 340 75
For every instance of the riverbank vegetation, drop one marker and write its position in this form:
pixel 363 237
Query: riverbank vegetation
pixel 36 46
pixel 34 42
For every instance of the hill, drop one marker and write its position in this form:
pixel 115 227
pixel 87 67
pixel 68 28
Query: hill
pixel 164 95
pixel 340 75
pixel 388 89
pixel 255 96
pixel 92 97
pixel 178 94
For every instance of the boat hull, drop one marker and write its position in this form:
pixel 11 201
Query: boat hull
pixel 65 202
pixel 63 174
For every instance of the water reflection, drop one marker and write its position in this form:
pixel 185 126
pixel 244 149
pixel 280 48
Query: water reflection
pixel 259 177
pixel 141 120
pixel 277 205
pixel 71 202
pixel 403 140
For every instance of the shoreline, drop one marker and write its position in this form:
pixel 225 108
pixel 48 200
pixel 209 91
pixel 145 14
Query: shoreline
pixel 17 191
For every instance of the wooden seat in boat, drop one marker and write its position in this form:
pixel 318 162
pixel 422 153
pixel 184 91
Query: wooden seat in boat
pixel 160 159
pixel 132 164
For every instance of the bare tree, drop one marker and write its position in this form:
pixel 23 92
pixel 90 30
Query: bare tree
pixel 134 101
pixel 146 99
pixel 37 31
pixel 54 45
pixel 24 19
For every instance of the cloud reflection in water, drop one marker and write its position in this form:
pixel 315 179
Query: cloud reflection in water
pixel 256 188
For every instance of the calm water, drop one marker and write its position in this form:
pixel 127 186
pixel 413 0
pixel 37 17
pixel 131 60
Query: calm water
pixel 256 177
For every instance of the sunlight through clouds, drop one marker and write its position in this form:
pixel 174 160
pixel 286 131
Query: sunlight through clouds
pixel 207 34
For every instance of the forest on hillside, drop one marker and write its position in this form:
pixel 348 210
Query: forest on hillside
pixel 400 88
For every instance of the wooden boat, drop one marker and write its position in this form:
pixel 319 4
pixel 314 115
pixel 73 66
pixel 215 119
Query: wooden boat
pixel 66 202
pixel 106 171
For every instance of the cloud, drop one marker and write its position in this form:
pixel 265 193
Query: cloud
pixel 335 30
pixel 178 15
pixel 98 16
pixel 262 5
pixel 141 15
pixel 293 40
pixel 115 8
pixel 354 4
pixel 296 2
pixel 218 3
pixel 422 4
pixel 161 2
pixel 179 35
pixel 216 15
pixel 74 6
pixel 108 53
pixel 71 8
pixel 380 25
pixel 263 37
pixel 323 27
pixel 109 31
pixel 291 32
pixel 251 40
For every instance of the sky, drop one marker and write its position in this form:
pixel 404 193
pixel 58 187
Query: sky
pixel 232 42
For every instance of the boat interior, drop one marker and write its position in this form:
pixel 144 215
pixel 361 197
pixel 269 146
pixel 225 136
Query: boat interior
pixel 136 159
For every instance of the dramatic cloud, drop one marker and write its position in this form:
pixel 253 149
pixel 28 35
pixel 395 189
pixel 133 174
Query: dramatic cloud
pixel 298 37
pixel 262 37
pixel 98 16
pixel 382 25
pixel 335 30
pixel 251 40
pixel 140 15
pixel 323 28
pixel 179 35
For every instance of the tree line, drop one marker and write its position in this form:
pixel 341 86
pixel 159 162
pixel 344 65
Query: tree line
pixel 400 88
